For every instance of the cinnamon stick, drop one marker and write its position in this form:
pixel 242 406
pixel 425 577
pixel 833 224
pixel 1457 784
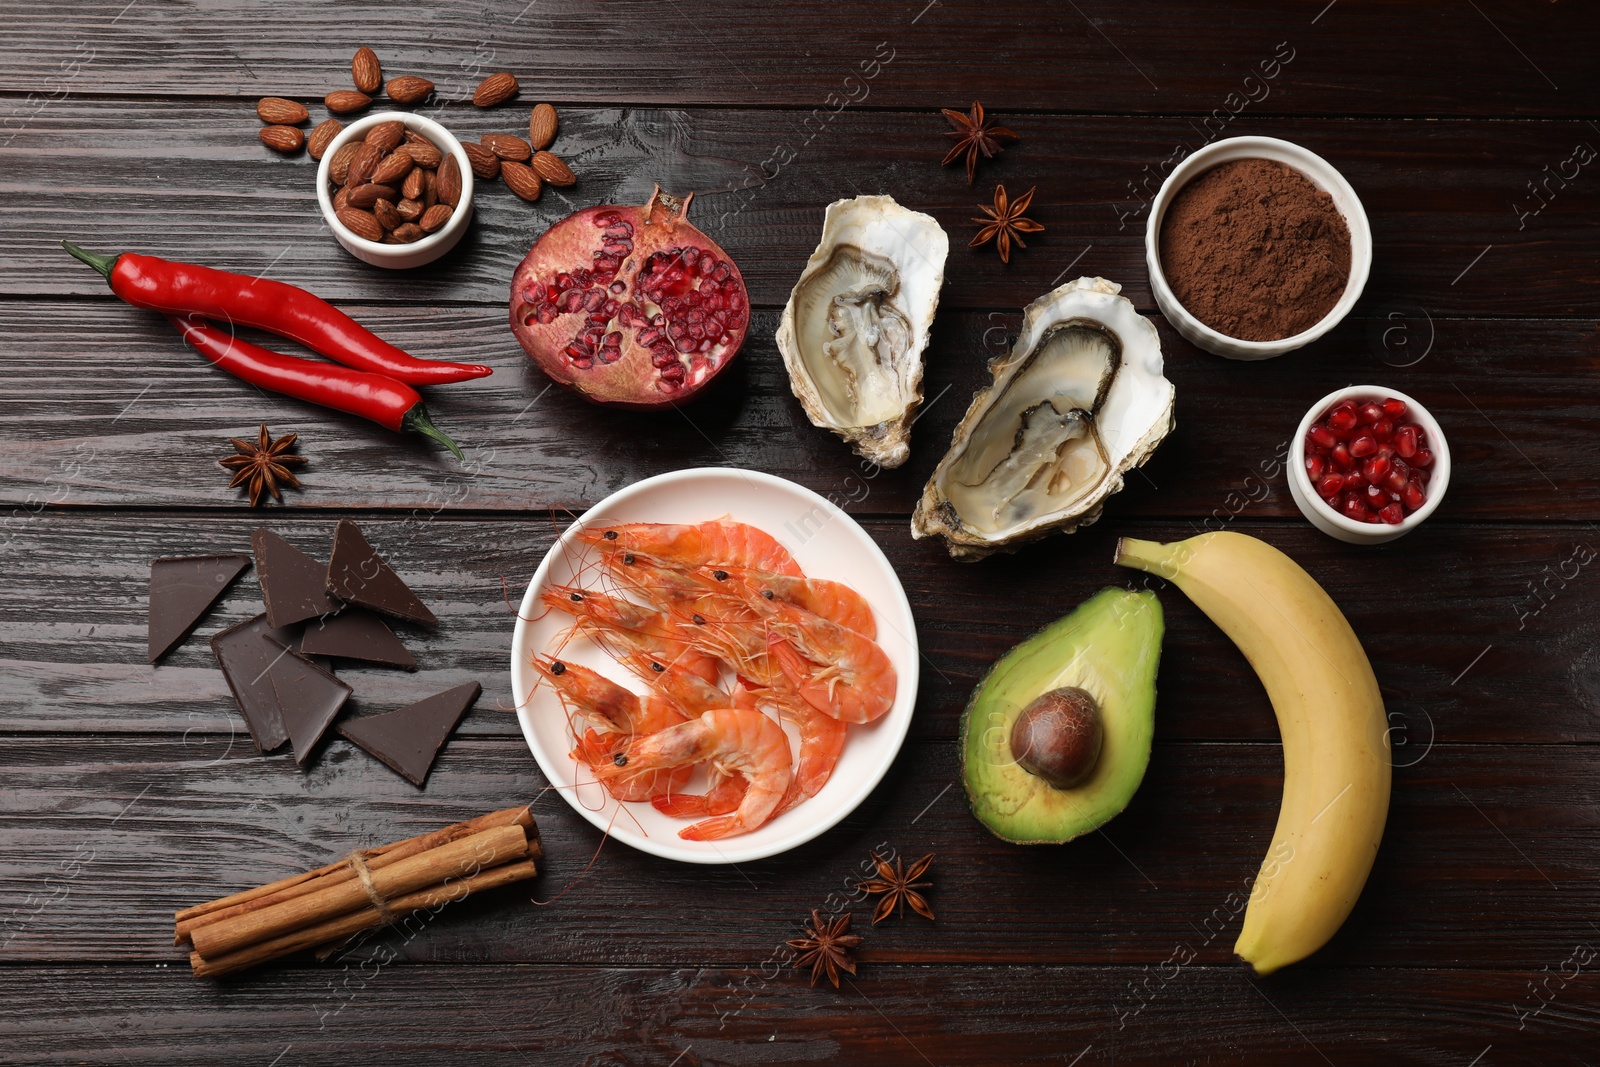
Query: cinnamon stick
pixel 341 871
pixel 464 857
pixel 355 922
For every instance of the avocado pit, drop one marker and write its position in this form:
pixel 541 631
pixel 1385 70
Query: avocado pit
pixel 1058 736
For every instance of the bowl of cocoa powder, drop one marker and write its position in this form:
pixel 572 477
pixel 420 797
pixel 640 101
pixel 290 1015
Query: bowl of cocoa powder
pixel 1256 247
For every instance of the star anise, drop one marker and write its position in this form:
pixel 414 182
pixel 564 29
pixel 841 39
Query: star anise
pixel 826 947
pixel 263 464
pixel 973 136
pixel 1005 223
pixel 899 887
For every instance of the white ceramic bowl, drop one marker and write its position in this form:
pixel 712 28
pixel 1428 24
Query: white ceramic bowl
pixel 827 543
pixel 429 248
pixel 1329 521
pixel 1324 176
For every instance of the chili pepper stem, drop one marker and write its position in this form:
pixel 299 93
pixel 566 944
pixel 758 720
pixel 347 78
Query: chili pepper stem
pixel 103 264
pixel 417 421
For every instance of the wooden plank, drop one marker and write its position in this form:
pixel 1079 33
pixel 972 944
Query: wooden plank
pixel 1483 640
pixel 1360 57
pixel 127 415
pixel 111 835
pixel 190 181
pixel 367 1013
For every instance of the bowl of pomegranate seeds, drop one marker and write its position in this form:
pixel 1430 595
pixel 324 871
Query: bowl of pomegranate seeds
pixel 1368 465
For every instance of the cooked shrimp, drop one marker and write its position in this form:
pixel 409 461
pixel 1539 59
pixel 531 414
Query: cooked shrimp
pixel 615 621
pixel 834 601
pixel 620 715
pixel 835 669
pixel 692 693
pixel 734 741
pixel 821 739
pixel 721 542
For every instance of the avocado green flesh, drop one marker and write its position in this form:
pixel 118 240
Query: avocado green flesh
pixel 1110 646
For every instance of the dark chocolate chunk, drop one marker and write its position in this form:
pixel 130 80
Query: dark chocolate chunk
pixel 246 652
pixel 309 698
pixel 358 574
pixel 292 583
pixel 356 633
pixel 409 740
pixel 181 589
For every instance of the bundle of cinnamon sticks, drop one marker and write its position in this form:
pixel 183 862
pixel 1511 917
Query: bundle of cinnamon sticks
pixel 365 890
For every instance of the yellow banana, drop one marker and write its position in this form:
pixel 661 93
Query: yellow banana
pixel 1335 735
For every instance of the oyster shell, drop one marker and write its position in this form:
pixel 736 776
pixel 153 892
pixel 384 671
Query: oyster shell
pixel 855 326
pixel 1078 401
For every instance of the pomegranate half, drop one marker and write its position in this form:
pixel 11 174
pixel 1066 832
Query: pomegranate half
pixel 630 306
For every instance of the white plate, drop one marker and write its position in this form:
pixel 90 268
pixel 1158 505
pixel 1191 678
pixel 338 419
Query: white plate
pixel 827 543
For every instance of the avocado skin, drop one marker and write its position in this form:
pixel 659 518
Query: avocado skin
pixel 1111 646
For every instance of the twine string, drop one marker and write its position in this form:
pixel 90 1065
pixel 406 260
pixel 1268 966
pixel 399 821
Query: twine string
pixel 358 863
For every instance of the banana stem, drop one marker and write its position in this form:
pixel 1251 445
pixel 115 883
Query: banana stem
pixel 1151 556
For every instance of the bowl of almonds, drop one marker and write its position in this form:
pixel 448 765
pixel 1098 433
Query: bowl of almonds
pixel 396 189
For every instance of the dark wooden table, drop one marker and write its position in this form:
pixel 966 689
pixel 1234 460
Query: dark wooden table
pixel 128 791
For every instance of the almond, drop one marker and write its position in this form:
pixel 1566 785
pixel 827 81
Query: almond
pixel 521 179
pixel 485 164
pixel 364 196
pixel 341 200
pixel 362 165
pixel 394 167
pixel 424 151
pixel 322 136
pixel 384 211
pixel 387 135
pixel 339 165
pixel 411 189
pixel 408 232
pixel 365 71
pixel 435 217
pixel 430 180
pixel 542 126
pixel 506 146
pixel 410 209
pixel 551 169
pixel 283 138
pixel 495 89
pixel 409 89
pixel 361 223
pixel 279 111
pixel 344 101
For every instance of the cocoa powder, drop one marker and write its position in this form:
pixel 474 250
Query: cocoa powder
pixel 1254 250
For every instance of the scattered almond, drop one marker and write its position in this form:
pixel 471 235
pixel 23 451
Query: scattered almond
pixel 495 89
pixel 521 179
pixel 283 138
pixel 542 126
pixel 408 232
pixel 446 184
pixel 365 71
pixel 280 111
pixel 364 196
pixel 393 167
pixel 344 101
pixel 410 208
pixel 323 136
pixel 339 165
pixel 435 217
pixel 409 89
pixel 550 167
pixel 506 146
pixel 361 223
pixel 485 164
pixel 386 136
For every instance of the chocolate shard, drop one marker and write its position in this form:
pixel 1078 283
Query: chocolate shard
pixel 356 633
pixel 181 591
pixel 245 652
pixel 292 583
pixel 409 740
pixel 309 699
pixel 358 574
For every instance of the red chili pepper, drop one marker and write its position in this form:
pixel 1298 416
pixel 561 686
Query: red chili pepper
pixel 286 310
pixel 385 401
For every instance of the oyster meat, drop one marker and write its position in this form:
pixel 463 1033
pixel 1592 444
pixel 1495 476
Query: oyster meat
pixel 855 326
pixel 1079 401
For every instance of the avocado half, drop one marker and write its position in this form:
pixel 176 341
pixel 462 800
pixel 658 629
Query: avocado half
pixel 1109 646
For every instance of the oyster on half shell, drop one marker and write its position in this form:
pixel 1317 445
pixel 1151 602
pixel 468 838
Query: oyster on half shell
pixel 1079 401
pixel 855 326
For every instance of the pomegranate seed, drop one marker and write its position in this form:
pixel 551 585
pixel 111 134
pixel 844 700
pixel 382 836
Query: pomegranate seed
pixel 607 264
pixel 1392 514
pixel 1371 413
pixel 1315 465
pixel 1399 474
pixel 579 350
pixel 1385 450
pixel 620 287
pixel 1405 441
pixel 684 344
pixel 1355 480
pixel 572 300
pixel 1329 485
pixel 1383 429
pixel 583 278
pixel 1323 436
pixel 610 355
pixel 1364 445
pixel 1412 496
pixel 547 314
pixel 1341 455
pixel 1374 497
pixel 1353 508
pixel 690 255
pixel 650 336
pixel 1342 418
pixel 1375 468
pixel 613 339
pixel 1395 408
pixel 725 339
pixel 533 294
pixel 606 218
pixel 1423 458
